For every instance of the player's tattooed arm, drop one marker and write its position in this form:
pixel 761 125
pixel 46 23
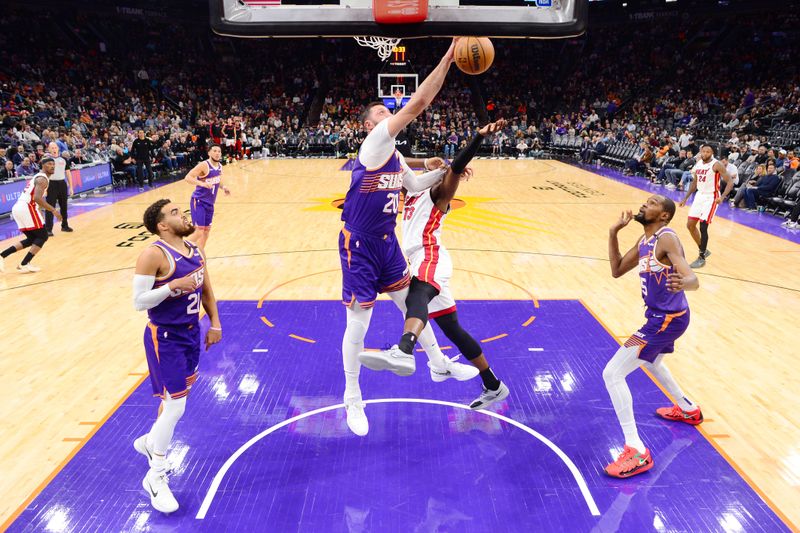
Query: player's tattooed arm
pixel 682 277
pixel 620 264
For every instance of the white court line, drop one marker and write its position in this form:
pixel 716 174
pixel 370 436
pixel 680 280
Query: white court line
pixel 215 483
pixel 535 349
pixel 260 350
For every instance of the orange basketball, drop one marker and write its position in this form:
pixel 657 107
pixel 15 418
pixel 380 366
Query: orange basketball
pixel 474 55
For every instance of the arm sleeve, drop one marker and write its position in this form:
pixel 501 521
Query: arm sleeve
pixel 377 147
pixel 463 157
pixel 414 183
pixel 144 295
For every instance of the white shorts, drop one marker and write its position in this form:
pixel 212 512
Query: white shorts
pixel 703 207
pixel 26 217
pixel 436 269
pixel 230 142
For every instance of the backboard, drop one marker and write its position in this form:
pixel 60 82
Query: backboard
pixel 443 18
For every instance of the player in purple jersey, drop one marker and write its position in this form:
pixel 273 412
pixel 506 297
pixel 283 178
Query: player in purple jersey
pixel 664 275
pixel 371 258
pixel 171 282
pixel 206 176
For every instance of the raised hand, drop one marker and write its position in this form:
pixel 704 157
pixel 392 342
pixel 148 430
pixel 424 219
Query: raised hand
pixel 493 127
pixel 623 220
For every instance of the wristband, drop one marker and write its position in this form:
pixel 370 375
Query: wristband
pixel 215 329
pixel 425 164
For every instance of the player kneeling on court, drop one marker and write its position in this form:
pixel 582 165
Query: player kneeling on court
pixel 171 282
pixel 665 275
pixel 429 294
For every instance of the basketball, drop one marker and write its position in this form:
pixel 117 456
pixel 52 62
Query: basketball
pixel 474 55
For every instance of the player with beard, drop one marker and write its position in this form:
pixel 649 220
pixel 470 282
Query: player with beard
pixel 170 283
pixel 665 275
pixel 206 176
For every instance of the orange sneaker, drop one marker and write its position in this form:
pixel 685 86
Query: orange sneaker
pixel 629 463
pixel 676 414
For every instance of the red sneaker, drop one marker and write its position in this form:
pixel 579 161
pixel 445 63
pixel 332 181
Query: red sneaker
pixel 629 463
pixel 676 414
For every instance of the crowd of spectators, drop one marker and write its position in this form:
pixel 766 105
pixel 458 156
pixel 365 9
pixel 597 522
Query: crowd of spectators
pixel 91 88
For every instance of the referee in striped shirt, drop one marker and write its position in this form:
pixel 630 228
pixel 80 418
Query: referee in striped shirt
pixel 59 189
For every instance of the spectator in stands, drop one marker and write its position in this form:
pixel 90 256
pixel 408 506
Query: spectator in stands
pixel 78 158
pixel 640 161
pixel 793 191
pixel 780 161
pixel 675 177
pixel 670 163
pixel 8 172
pixel 738 198
pixel 26 168
pixel 3 157
pixel 765 188
pixel 522 148
pixel 123 162
pixel 761 156
pixel 733 172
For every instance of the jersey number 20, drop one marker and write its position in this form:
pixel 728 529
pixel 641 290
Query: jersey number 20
pixel 393 203
pixel 194 304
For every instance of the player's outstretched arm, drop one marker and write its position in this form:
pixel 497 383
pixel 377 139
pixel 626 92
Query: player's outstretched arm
pixel 620 264
pixel 683 278
pixel 443 193
pixel 424 95
pixel 209 301
pixel 200 170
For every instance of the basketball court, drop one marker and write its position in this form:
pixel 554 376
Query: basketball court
pixel 264 444
pixel 264 440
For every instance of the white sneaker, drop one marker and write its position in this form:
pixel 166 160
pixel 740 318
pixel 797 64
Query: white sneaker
pixel 356 418
pixel 140 445
pixel 488 397
pixel 794 225
pixel 671 186
pixel 459 371
pixel 27 269
pixel 161 498
pixel 393 359
pixel 785 224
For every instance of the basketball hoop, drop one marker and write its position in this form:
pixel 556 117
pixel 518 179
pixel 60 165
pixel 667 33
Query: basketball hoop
pixel 384 45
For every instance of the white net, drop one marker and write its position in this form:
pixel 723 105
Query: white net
pixel 384 45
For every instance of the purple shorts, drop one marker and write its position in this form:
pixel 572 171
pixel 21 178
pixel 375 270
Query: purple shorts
pixel 202 212
pixel 370 264
pixel 173 354
pixel 659 334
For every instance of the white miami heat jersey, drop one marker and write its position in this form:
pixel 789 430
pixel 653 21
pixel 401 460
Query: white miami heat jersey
pixel 26 196
pixel 707 177
pixel 422 225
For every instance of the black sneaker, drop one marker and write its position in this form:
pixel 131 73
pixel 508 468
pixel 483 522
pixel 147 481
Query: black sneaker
pixel 49 233
pixel 67 229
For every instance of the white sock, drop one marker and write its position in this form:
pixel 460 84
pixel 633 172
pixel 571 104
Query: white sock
pixel 427 339
pixel 625 361
pixel 352 343
pixel 161 433
pixel 659 369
